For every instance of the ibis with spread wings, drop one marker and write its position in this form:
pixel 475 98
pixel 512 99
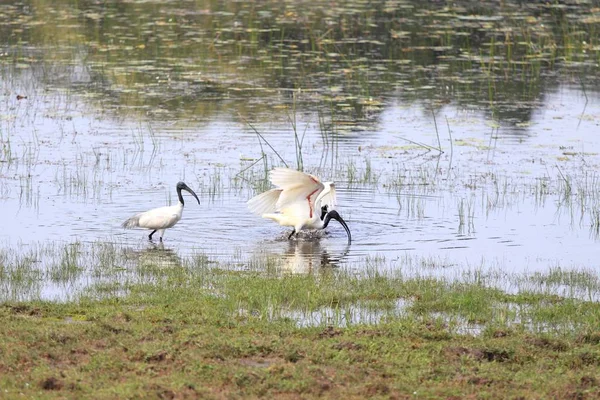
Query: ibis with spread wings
pixel 300 200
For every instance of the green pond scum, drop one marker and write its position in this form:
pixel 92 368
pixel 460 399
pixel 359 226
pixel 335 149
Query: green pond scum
pixel 462 139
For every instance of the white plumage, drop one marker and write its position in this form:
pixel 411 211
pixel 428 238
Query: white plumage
pixel 159 219
pixel 301 201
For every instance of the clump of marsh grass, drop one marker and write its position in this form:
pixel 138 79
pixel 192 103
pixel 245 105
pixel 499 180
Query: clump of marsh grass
pixel 68 268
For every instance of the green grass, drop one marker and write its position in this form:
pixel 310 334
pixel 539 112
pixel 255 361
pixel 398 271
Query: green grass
pixel 185 347
pixel 200 329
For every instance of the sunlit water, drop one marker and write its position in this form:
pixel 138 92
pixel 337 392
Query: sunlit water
pixel 75 175
pixel 105 107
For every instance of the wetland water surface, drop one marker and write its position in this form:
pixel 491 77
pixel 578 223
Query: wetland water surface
pixel 98 139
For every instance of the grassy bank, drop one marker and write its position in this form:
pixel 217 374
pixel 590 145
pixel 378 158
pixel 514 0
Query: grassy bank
pixel 202 330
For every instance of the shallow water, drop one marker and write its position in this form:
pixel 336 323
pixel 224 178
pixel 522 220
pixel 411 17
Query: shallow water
pixel 514 189
pixel 83 184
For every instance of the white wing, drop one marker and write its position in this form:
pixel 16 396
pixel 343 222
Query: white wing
pixel 285 177
pixel 298 195
pixel 264 202
pixel 297 188
pixel 159 218
pixel 327 197
pixel 132 222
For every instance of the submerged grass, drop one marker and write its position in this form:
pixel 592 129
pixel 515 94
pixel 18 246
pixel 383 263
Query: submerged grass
pixel 194 328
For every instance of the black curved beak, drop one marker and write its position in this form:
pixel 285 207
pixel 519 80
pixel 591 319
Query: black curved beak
pixel 334 215
pixel 187 188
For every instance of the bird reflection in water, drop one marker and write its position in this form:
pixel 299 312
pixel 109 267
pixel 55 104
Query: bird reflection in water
pixel 299 257
pixel 157 256
pixel 306 256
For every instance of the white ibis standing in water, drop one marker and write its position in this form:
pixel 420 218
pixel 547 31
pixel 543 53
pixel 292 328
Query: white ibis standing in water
pixel 159 219
pixel 301 201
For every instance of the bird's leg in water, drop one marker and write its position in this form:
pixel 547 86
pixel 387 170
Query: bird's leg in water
pixel 292 234
pixel 161 239
pixel 150 235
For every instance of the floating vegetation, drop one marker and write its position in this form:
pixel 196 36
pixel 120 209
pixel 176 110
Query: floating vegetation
pixel 352 57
